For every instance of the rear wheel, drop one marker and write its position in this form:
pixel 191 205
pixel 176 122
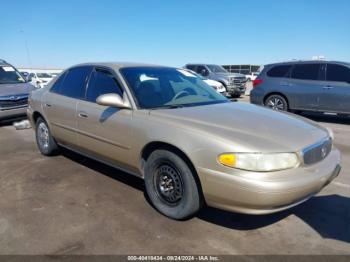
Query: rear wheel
pixel 45 142
pixel 277 102
pixel 171 186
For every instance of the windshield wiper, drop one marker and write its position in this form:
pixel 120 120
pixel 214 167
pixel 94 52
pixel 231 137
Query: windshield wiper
pixel 167 107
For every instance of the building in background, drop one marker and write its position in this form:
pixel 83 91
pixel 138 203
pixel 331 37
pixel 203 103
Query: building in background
pixel 242 69
pixel 52 71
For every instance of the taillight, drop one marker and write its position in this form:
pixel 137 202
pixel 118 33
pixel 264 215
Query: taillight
pixel 257 82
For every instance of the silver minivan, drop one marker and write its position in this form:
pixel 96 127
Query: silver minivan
pixel 322 86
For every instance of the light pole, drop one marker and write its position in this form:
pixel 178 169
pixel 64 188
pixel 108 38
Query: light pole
pixel 29 60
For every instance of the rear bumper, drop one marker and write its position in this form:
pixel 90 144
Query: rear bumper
pixel 12 113
pixel 264 193
pixel 256 97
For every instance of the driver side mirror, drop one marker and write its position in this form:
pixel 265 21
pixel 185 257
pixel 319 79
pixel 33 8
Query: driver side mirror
pixel 113 100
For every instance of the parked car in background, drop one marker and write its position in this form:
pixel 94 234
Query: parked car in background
pixel 54 74
pixel 40 80
pixel 14 91
pixel 190 144
pixel 322 86
pixel 252 76
pixel 24 74
pixel 233 82
pixel 218 87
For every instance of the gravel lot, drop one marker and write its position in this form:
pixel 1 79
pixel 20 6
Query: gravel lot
pixel 73 205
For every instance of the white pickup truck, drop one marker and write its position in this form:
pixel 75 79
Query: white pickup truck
pixel 252 76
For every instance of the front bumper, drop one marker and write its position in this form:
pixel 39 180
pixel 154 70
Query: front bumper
pixel 12 113
pixel 236 89
pixel 264 193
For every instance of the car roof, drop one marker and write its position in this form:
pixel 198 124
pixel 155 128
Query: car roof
pixel 117 65
pixel 293 62
pixel 3 62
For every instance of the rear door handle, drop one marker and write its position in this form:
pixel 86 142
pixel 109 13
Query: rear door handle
pixel 83 115
pixel 285 84
pixel 328 87
pixel 48 105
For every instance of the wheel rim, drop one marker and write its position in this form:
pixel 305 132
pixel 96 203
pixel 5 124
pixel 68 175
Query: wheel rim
pixel 43 135
pixel 276 103
pixel 168 184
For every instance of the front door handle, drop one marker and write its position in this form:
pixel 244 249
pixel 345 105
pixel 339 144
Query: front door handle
pixel 83 115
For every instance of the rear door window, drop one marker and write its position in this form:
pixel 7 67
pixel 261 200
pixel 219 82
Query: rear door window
pixel 56 88
pixel 338 73
pixel 306 71
pixel 102 82
pixel 279 71
pixel 75 81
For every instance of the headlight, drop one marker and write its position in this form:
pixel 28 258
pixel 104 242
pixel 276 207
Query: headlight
pixel 259 162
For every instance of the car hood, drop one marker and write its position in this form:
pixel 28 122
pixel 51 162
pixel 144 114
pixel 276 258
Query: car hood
pixel 246 127
pixel 16 89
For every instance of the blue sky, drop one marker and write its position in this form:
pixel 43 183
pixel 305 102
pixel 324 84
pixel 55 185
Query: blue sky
pixel 62 33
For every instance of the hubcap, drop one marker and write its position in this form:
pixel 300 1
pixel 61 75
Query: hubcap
pixel 43 135
pixel 168 184
pixel 276 103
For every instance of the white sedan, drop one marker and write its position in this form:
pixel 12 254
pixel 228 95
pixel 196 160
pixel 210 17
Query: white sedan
pixel 219 87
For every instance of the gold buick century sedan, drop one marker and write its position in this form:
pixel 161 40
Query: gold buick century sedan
pixel 191 145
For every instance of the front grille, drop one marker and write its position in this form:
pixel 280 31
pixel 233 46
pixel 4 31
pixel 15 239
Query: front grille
pixel 239 81
pixel 317 152
pixel 9 103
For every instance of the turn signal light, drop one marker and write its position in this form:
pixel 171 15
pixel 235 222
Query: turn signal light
pixel 227 160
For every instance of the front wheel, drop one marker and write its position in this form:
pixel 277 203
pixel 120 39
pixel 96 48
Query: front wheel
pixel 277 102
pixel 46 143
pixel 171 185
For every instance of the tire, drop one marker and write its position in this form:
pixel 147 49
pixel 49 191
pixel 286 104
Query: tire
pixel 44 140
pixel 171 185
pixel 276 102
pixel 235 95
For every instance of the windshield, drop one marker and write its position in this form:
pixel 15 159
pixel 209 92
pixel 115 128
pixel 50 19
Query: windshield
pixel 44 75
pixel 158 87
pixel 217 69
pixel 9 75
